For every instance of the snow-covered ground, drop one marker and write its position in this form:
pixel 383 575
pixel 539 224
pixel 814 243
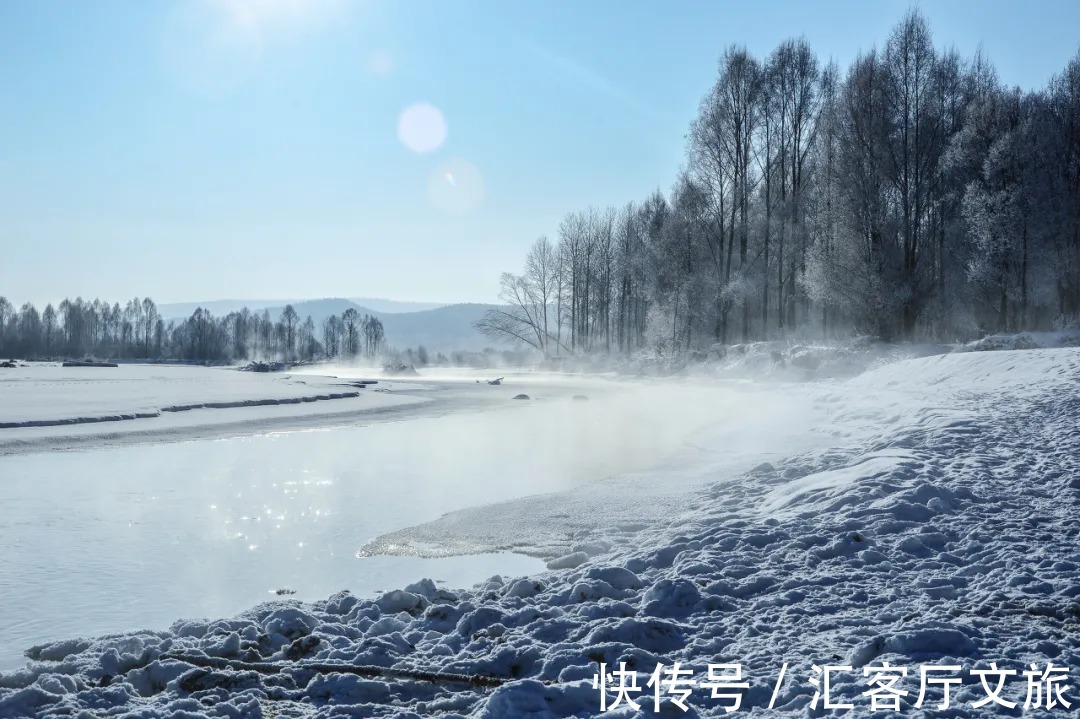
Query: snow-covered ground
pixel 924 512
pixel 45 394
pixel 47 407
pixel 1024 341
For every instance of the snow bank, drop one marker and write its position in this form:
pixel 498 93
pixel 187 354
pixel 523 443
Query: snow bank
pixel 35 395
pixel 270 402
pixel 779 360
pixel 1023 341
pixel 938 527
pixel 792 361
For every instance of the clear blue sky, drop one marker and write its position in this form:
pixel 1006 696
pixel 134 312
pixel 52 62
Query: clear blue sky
pixel 212 149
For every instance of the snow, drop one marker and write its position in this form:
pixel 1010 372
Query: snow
pixel 46 395
pixel 135 404
pixel 1023 340
pixel 923 512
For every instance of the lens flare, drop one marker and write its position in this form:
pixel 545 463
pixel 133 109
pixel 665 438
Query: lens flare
pixel 456 187
pixel 422 128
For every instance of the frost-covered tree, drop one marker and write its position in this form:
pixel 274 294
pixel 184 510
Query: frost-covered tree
pixel 908 195
pixel 288 321
pixel 350 332
pixel 531 313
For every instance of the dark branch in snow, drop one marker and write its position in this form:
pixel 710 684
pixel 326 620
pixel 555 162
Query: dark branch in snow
pixel 475 680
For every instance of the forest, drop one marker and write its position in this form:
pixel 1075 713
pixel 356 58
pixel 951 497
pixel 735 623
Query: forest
pixel 137 331
pixel 910 196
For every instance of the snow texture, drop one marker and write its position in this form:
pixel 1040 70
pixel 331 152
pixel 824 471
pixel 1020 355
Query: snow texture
pixel 32 393
pixel 937 526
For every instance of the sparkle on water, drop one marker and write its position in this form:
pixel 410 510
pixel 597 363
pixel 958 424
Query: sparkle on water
pixel 206 528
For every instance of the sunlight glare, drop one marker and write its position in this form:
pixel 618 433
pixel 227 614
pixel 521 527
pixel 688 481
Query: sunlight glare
pixel 213 46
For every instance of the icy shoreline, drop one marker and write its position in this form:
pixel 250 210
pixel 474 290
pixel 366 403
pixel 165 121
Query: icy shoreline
pixel 268 402
pixel 938 527
pixel 44 395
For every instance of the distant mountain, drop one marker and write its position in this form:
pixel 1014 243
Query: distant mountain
pixel 180 310
pixel 441 328
pixel 380 305
pixel 183 310
pixel 320 309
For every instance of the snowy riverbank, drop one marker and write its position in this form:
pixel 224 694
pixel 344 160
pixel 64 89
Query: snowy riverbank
pixel 46 395
pixel 932 520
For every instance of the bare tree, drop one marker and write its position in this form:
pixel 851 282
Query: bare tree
pixel 531 299
pixel 350 324
pixel 288 321
pixel 332 328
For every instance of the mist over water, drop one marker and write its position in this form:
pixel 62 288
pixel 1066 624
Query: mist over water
pixel 138 536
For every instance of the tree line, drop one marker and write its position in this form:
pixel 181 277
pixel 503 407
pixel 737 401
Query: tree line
pixel 136 330
pixel 911 196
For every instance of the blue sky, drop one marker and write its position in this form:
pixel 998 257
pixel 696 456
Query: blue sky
pixel 206 149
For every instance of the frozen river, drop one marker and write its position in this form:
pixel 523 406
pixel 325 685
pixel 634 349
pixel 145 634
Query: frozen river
pixel 120 532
